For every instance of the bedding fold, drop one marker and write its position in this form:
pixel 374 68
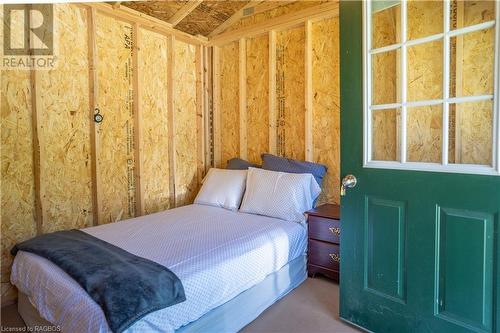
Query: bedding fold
pixel 127 287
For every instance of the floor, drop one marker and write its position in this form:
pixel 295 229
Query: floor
pixel 313 307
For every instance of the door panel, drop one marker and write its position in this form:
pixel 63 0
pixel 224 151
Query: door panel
pixel 385 239
pixel 464 256
pixel 420 250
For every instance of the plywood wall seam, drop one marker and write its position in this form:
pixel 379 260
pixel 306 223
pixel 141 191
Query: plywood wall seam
pixel 242 86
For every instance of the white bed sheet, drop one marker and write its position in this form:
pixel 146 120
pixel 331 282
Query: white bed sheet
pixel 216 253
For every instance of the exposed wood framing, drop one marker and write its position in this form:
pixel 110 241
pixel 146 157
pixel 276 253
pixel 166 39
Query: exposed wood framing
pixel 272 92
pixel 200 113
pixel 170 111
pixel 234 18
pixel 216 106
pixel 207 86
pixel 308 98
pixel 35 103
pixel 94 136
pixel 185 10
pixel 323 11
pixel 259 6
pixel 139 190
pixel 146 21
pixel 243 96
pixel 36 151
pixel 117 4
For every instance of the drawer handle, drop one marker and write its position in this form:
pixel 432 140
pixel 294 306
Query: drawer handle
pixel 335 257
pixel 335 230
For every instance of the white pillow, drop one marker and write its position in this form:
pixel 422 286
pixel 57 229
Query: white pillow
pixel 222 188
pixel 283 195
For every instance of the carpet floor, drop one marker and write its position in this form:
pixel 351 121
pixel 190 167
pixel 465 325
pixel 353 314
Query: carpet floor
pixel 312 307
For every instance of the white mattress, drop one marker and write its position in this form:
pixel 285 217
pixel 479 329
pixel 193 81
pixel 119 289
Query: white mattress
pixel 216 253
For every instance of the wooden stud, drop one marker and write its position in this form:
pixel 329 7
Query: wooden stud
pixel 207 55
pixel 35 103
pixel 36 152
pixel 171 119
pixel 216 106
pixel 308 93
pixel 200 114
pixel 320 12
pixel 139 190
pixel 93 91
pixel 184 11
pixel 272 92
pixel 243 97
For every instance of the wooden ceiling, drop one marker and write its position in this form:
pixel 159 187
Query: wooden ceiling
pixel 208 17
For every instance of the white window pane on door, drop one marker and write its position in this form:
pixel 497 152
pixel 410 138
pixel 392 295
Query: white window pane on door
pixel 467 13
pixel 425 71
pixel 472 62
pixel 386 24
pixel 424 130
pixel 386 89
pixel 385 134
pixel 470 133
pixel 425 18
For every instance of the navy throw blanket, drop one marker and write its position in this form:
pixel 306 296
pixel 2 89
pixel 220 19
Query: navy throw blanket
pixel 125 286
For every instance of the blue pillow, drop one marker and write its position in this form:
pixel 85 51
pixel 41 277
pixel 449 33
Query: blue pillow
pixel 276 163
pixel 239 164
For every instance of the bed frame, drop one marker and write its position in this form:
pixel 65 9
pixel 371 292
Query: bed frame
pixel 231 316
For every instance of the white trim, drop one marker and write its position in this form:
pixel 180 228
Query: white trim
pixel 446 84
pixel 428 102
pixel 433 167
pixel 494 169
pixel 404 83
pixel 496 103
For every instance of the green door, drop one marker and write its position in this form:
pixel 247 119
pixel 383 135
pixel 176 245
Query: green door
pixel 420 249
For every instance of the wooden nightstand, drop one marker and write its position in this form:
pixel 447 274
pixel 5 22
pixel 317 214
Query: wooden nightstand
pixel 324 241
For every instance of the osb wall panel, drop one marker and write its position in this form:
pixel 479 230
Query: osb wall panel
pixel 385 135
pixel 153 106
pixel 17 195
pixel 425 125
pixel 475 128
pixel 116 151
pixel 290 66
pixel 64 132
pixel 229 102
pixel 326 105
pixel 257 98
pixel 186 181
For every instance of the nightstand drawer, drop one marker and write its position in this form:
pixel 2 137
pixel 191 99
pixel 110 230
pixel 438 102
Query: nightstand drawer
pixel 324 254
pixel 324 229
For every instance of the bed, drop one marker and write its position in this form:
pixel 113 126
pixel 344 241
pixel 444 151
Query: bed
pixel 232 265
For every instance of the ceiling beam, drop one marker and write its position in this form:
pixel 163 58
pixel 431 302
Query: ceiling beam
pixel 259 6
pixel 184 11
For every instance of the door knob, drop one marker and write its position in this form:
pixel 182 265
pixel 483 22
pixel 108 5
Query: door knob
pixel 348 181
